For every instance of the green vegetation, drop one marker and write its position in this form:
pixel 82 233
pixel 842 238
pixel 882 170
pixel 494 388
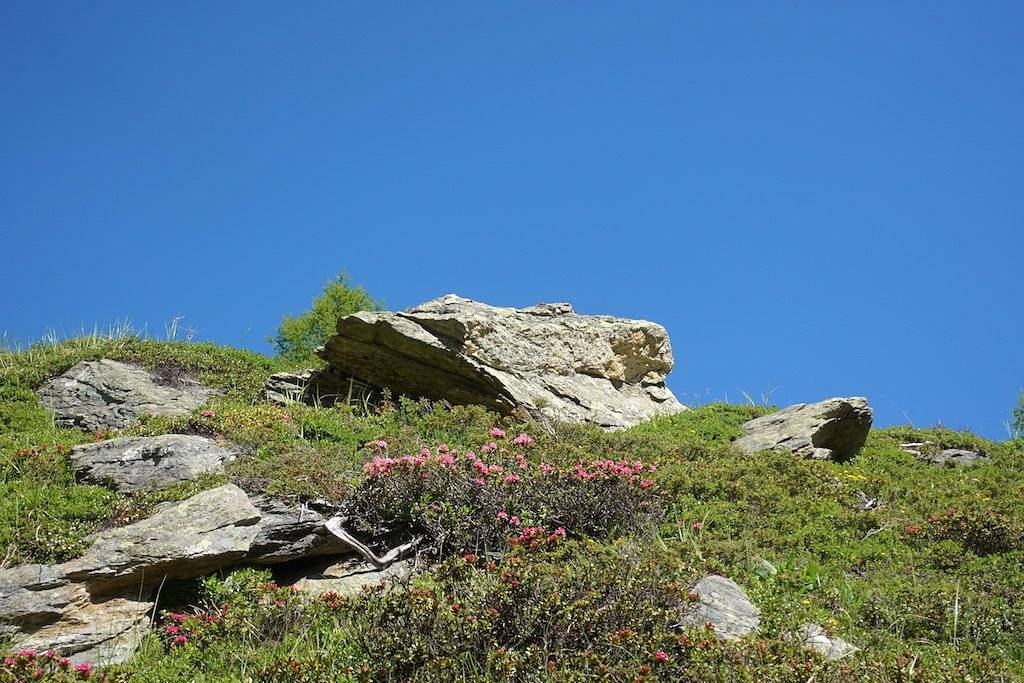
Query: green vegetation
pixel 920 566
pixel 298 336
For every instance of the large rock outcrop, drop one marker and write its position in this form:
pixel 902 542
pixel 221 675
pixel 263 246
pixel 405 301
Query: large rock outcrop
pixel 832 429
pixel 108 394
pixel 147 463
pixel 546 359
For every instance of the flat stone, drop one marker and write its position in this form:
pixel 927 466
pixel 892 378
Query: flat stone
pixel 348 576
pixel 41 609
pixel 209 531
pixel 148 463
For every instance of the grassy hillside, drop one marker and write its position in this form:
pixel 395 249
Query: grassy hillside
pixel 565 558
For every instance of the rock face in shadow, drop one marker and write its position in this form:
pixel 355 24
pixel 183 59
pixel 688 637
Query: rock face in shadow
pixel 832 429
pixel 107 394
pixel 546 359
pixel 147 463
pixel 291 531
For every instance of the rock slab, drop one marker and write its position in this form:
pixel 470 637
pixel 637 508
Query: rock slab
pixel 107 394
pixel 40 608
pixel 349 576
pixel 208 531
pixel 147 463
pixel 832 429
pixel 546 359
pixel 722 604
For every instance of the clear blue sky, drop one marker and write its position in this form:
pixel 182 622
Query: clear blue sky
pixel 814 198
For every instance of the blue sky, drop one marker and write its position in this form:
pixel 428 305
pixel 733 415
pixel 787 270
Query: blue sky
pixel 816 199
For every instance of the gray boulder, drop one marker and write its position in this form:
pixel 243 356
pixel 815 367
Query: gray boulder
pixel 107 394
pixel 40 609
pixel 546 359
pixel 722 604
pixel 832 429
pixel 210 530
pixel 147 463
pixel 289 531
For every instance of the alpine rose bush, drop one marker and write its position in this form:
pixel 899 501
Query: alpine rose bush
pixel 470 502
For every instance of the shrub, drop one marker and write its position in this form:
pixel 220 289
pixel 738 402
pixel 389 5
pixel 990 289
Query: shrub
pixel 474 502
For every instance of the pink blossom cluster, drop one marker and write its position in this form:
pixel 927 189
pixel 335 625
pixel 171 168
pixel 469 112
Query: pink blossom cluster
pixel 30 664
pixel 535 536
pixel 381 465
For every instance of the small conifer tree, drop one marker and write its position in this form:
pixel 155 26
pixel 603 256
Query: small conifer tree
pixel 298 336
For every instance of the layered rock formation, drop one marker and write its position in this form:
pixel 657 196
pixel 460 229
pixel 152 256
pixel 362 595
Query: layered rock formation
pixel 546 359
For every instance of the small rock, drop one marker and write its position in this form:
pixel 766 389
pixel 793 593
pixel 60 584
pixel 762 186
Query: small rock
pixel 316 388
pixel 832 429
pixel 955 456
pixel 147 463
pixel 724 605
pixel 107 394
pixel 832 647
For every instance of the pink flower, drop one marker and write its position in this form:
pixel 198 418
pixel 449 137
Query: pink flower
pixel 470 557
pixel 523 440
pixel 443 448
pixel 206 413
pixel 9 661
pixel 913 529
pixel 660 656
pixel 181 640
pixel 378 444
pixel 514 521
pixel 497 433
pixel 502 515
pixel 698 526
pixel 83 669
pixel 425 452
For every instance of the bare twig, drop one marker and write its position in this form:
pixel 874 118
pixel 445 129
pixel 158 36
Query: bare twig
pixel 390 557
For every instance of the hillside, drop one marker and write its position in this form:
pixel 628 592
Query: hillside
pixel 573 562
